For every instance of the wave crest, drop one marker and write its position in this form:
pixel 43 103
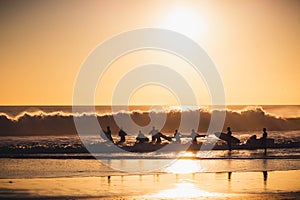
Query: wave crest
pixel 60 122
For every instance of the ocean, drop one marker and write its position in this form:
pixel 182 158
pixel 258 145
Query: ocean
pixel 42 156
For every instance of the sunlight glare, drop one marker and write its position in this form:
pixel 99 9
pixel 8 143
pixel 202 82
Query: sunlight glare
pixel 184 20
pixel 184 167
pixel 185 190
pixel 186 154
pixel 183 108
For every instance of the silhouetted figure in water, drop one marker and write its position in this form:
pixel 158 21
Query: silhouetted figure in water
pixel 177 136
pixel 194 136
pixel 154 135
pixel 158 137
pixel 122 135
pixel 264 139
pixel 229 133
pixel 141 138
pixel 108 134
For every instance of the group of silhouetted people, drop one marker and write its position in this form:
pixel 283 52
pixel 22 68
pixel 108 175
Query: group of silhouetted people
pixel 141 138
pixel 108 136
pixel 263 139
pixel 156 137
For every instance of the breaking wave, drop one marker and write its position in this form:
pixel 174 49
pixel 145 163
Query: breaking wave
pixel 58 120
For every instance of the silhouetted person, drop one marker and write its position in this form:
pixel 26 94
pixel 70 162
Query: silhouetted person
pixel 141 138
pixel 160 136
pixel 122 135
pixel 264 139
pixel 108 134
pixel 177 136
pixel 229 133
pixel 194 136
pixel 154 135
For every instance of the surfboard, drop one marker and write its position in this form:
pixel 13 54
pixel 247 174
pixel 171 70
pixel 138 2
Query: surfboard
pixel 165 137
pixel 189 136
pixel 227 138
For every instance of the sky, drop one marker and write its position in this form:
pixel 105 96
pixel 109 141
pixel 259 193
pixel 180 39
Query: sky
pixel 254 44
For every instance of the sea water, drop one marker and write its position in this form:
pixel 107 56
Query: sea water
pixel 208 174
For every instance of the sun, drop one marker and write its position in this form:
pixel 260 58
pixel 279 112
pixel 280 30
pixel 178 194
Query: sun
pixel 184 20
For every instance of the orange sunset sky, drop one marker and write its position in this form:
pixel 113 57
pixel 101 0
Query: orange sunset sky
pixel 254 44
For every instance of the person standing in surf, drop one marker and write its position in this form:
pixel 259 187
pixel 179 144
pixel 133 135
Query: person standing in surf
pixel 108 134
pixel 177 136
pixel 154 135
pixel 264 139
pixel 229 133
pixel 194 136
pixel 141 138
pixel 122 135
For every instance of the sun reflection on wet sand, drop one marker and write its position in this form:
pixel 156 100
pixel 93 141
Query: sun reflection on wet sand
pixel 184 167
pixel 186 190
pixel 182 179
pixel 186 154
pixel 237 185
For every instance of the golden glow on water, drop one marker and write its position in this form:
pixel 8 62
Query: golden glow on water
pixel 185 190
pixel 184 167
pixel 186 154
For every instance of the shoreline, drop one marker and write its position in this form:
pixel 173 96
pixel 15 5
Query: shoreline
pixel 90 157
pixel 282 153
pixel 60 168
pixel 119 174
pixel 140 148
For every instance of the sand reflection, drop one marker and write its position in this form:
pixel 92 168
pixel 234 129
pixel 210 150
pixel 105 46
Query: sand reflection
pixel 184 167
pixel 185 190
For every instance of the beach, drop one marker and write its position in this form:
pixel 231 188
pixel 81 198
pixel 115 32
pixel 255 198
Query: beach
pixel 248 185
pixel 90 179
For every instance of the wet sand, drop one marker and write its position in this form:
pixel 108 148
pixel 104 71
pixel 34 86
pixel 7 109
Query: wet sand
pixel 235 185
